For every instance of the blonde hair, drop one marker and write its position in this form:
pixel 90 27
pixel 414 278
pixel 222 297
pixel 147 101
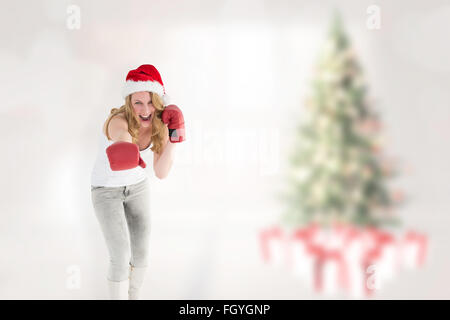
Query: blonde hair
pixel 159 130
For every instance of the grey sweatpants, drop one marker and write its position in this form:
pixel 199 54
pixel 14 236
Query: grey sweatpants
pixel 124 217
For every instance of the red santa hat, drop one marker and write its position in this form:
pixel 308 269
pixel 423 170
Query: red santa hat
pixel 145 78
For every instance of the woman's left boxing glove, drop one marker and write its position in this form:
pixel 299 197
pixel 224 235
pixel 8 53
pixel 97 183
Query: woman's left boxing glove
pixel 124 155
pixel 173 117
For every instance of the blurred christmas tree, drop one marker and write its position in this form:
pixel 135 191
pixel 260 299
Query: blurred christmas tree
pixel 337 173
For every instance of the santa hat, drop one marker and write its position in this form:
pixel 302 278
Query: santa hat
pixel 145 78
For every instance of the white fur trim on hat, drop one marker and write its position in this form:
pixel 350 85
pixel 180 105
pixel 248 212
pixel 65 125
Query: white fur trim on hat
pixel 166 99
pixel 136 86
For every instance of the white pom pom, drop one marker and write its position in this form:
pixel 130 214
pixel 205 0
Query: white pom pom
pixel 166 99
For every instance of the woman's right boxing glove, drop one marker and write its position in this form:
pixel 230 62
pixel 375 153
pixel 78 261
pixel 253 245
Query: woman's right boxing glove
pixel 124 155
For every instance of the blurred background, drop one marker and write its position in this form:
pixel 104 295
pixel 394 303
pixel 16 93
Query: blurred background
pixel 241 72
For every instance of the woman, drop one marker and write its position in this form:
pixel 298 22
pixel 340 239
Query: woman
pixel 119 182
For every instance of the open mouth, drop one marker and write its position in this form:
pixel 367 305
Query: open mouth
pixel 145 118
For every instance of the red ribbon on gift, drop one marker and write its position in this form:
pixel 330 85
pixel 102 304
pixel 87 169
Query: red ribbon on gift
pixel 381 239
pixel 303 235
pixel 266 236
pixel 323 255
pixel 352 234
pixel 421 241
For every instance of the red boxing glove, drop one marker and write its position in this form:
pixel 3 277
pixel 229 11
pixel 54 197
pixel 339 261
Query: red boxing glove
pixel 173 117
pixel 124 155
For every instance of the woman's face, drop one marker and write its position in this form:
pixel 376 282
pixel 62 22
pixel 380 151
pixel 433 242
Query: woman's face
pixel 143 107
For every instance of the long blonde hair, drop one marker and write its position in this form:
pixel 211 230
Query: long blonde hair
pixel 159 130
